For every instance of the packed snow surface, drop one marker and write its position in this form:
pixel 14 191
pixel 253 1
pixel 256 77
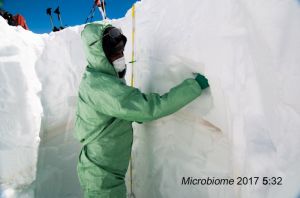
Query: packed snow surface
pixel 246 125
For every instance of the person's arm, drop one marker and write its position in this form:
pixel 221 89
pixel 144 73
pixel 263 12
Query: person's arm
pixel 129 103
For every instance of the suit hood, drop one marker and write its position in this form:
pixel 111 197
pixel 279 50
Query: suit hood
pixel 91 36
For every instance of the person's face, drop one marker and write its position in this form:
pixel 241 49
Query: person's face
pixel 116 56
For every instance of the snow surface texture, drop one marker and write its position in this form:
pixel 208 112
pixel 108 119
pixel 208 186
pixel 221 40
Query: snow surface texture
pixel 246 124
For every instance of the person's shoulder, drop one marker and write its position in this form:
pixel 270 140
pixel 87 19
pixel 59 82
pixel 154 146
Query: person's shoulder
pixel 101 79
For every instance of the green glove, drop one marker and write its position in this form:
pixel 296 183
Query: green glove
pixel 202 81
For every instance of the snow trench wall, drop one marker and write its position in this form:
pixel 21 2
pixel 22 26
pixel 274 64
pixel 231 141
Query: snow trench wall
pixel 39 79
pixel 246 124
pixel 20 108
pixel 249 50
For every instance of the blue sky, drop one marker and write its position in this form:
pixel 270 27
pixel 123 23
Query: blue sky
pixel 72 12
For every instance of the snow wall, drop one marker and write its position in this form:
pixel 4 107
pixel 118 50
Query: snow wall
pixel 246 125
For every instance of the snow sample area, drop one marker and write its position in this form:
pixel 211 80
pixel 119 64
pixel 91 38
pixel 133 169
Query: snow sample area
pixel 247 124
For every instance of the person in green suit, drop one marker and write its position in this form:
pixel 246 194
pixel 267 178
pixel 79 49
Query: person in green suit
pixel 107 107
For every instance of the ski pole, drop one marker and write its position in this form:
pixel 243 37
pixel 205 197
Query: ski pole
pixel 91 14
pixel 57 11
pixel 48 11
pixel 100 5
pixel 104 10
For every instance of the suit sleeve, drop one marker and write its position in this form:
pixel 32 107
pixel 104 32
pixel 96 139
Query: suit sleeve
pixel 129 103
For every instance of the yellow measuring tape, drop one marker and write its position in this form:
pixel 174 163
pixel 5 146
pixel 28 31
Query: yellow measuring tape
pixel 131 84
pixel 132 53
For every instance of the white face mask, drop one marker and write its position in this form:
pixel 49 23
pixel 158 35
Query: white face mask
pixel 119 64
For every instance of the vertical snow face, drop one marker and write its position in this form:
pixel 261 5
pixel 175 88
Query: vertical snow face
pixel 246 124
pixel 59 69
pixel 249 52
pixel 39 78
pixel 20 110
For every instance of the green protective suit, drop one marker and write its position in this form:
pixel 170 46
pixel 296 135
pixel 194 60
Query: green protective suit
pixel 106 108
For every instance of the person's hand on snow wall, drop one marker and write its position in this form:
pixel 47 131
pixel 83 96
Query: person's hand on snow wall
pixel 202 81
